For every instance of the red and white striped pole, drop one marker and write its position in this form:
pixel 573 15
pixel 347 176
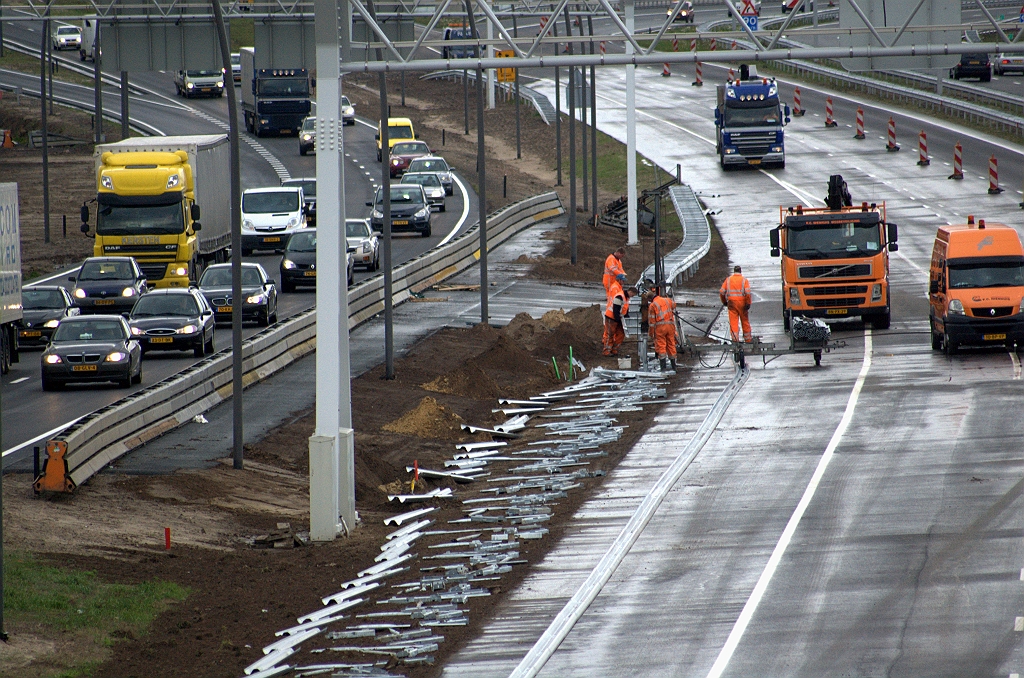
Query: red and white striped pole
pixel 693 44
pixel 602 48
pixel 732 75
pixel 958 163
pixel 714 44
pixel 922 150
pixel 797 111
pixel 829 120
pixel 665 71
pixel 699 82
pixel 993 177
pixel 892 146
pixel 543 23
pixel 860 124
pixel 733 45
pixel 675 43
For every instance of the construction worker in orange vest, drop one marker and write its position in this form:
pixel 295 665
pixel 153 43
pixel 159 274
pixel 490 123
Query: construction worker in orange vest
pixel 735 294
pixel 613 271
pixel 662 319
pixel 616 309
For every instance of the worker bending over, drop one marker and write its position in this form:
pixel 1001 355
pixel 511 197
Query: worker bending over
pixel 613 271
pixel 616 309
pixel 662 322
pixel 735 294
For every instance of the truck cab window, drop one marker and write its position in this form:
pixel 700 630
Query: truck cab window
pixel 140 219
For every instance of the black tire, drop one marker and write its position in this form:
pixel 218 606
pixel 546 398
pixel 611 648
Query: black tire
pixel 882 321
pixel 376 261
pixel 302 151
pixel 287 286
pixel 137 379
pixel 426 233
pixel 209 344
pixel 936 337
pixel 126 382
pixel 51 385
pixel 5 351
pixel 273 316
pixel 199 350
pixel 785 320
pixel 444 208
pixel 949 347
pixel 264 320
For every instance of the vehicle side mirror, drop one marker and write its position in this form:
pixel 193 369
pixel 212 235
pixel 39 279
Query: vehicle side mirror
pixel 378 234
pixel 776 252
pixel 933 287
pixel 718 116
pixel 195 212
pixel 196 226
pixel 892 234
pixel 893 247
pixel 126 314
pixel 369 204
pixel 773 240
pixel 85 218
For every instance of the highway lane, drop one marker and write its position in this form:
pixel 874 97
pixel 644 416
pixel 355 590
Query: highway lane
pixel 30 415
pixel 904 557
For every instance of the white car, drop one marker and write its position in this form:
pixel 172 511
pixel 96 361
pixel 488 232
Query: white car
pixel 270 216
pixel 363 243
pixel 348 111
pixel 431 186
pixel 67 37
pixel 437 165
pixel 1008 63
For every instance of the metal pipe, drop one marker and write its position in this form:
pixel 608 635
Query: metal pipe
pixel 481 192
pixel 125 132
pixel 97 86
pixel 385 187
pixel 572 146
pixel 593 120
pixel 558 112
pixel 46 130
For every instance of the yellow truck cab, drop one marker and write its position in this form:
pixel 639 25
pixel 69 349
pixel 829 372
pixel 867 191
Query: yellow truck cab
pixel 399 129
pixel 976 286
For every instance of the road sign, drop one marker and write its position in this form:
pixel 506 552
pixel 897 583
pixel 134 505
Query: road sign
pixel 506 74
pixel 751 22
pixel 748 9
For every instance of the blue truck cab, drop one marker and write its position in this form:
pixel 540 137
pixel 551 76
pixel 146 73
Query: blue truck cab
pixel 273 99
pixel 749 122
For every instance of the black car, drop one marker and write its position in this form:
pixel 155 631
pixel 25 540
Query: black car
pixel 308 187
pixel 108 285
pixel 92 348
pixel 409 209
pixel 258 289
pixel 972 66
pixel 43 307
pixel 173 320
pixel 298 266
pixel 307 135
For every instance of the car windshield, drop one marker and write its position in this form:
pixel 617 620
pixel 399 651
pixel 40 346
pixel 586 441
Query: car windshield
pixel 140 219
pixel 835 241
pixel 308 187
pixel 283 87
pixel 400 132
pixel 356 229
pixel 752 117
pixel 267 203
pixel 68 30
pixel 309 125
pixel 1003 274
pixel 407 148
pixel 303 241
pixel 106 270
pixel 236 59
pixel 402 195
pixel 165 304
pixel 345 101
pixel 423 180
pixel 202 74
pixel 89 330
pixel 33 300
pixel 428 165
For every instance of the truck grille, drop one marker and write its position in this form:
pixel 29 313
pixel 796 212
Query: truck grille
pixel 854 271
pixel 836 289
pixel 154 271
pixel 835 303
pixel 991 311
pixel 752 143
pixel 132 250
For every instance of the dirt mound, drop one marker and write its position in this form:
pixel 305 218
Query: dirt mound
pixel 468 381
pixel 428 420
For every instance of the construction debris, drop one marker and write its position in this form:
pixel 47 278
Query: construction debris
pixel 810 329
pixel 284 537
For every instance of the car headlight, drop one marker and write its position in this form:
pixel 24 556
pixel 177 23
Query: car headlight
pixel 956 307
pixel 137 332
pixel 190 85
pixel 377 214
pixel 128 292
pixel 348 110
pixel 366 248
pixel 730 151
pixel 256 299
pixel 220 83
pixel 876 292
pixel 396 162
pixel 51 323
pixel 187 329
pixel 794 296
pixel 306 137
pixel 776 149
pixel 172 181
pixel 107 183
pixel 293 222
pixel 247 225
pixel 79 293
pixel 116 357
pixel 52 359
pixel 288 264
pixel 423 213
pixel 180 270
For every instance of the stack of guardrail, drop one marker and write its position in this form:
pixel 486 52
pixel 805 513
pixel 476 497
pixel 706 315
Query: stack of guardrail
pixel 103 436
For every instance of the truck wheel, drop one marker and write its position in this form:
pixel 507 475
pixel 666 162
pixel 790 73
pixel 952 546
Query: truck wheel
pixel 785 320
pixel 948 346
pixel 881 321
pixel 5 351
pixel 936 337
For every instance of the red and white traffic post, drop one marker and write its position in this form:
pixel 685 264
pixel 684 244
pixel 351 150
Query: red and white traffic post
pixel 958 163
pixel 922 150
pixel 993 177
pixel 797 111
pixel 860 124
pixel 892 146
pixel 829 120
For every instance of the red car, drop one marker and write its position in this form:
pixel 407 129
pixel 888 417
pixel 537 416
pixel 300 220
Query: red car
pixel 405 152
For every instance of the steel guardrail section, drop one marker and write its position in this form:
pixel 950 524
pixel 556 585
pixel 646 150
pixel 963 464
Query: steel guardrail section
pixel 559 628
pixel 114 430
pixel 696 235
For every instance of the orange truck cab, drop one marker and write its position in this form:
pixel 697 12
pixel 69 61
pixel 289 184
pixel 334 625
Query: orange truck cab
pixel 976 286
pixel 835 262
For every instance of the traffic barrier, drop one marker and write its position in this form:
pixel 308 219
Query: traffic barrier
pixel 8 140
pixel 958 163
pixel 733 45
pixel 860 124
pixel 714 44
pixel 922 149
pixel 675 43
pixel 543 23
pixel 797 111
pixel 603 48
pixel 693 44
pixel 993 177
pixel 665 72
pixel 829 120
pixel 699 81
pixel 892 146
pixel 99 438
pixel 732 74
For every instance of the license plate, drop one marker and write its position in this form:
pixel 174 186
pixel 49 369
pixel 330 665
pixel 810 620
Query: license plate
pixel 30 333
pixel 994 337
pixel 104 302
pixel 161 340
pixel 272 239
pixel 83 368
pixel 223 309
pixel 310 274
pixel 754 162
pixel 974 63
pixel 836 311
pixel 400 222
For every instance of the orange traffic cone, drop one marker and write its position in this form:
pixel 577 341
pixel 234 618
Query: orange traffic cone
pixel 8 141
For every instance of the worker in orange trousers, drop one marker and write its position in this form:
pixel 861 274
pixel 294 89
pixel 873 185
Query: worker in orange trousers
pixel 661 312
pixel 616 309
pixel 613 271
pixel 735 294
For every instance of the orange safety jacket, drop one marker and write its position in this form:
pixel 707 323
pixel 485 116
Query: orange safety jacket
pixel 660 311
pixel 612 269
pixel 609 310
pixel 735 288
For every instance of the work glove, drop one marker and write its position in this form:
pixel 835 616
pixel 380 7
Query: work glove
pixel 746 307
pixel 621 278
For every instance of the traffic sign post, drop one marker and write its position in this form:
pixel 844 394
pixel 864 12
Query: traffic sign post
pixel 749 14
pixel 751 22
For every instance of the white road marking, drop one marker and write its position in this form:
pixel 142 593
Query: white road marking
pixel 18 381
pixel 1018 624
pixel 41 436
pixel 465 211
pixel 787 534
pixel 1013 358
